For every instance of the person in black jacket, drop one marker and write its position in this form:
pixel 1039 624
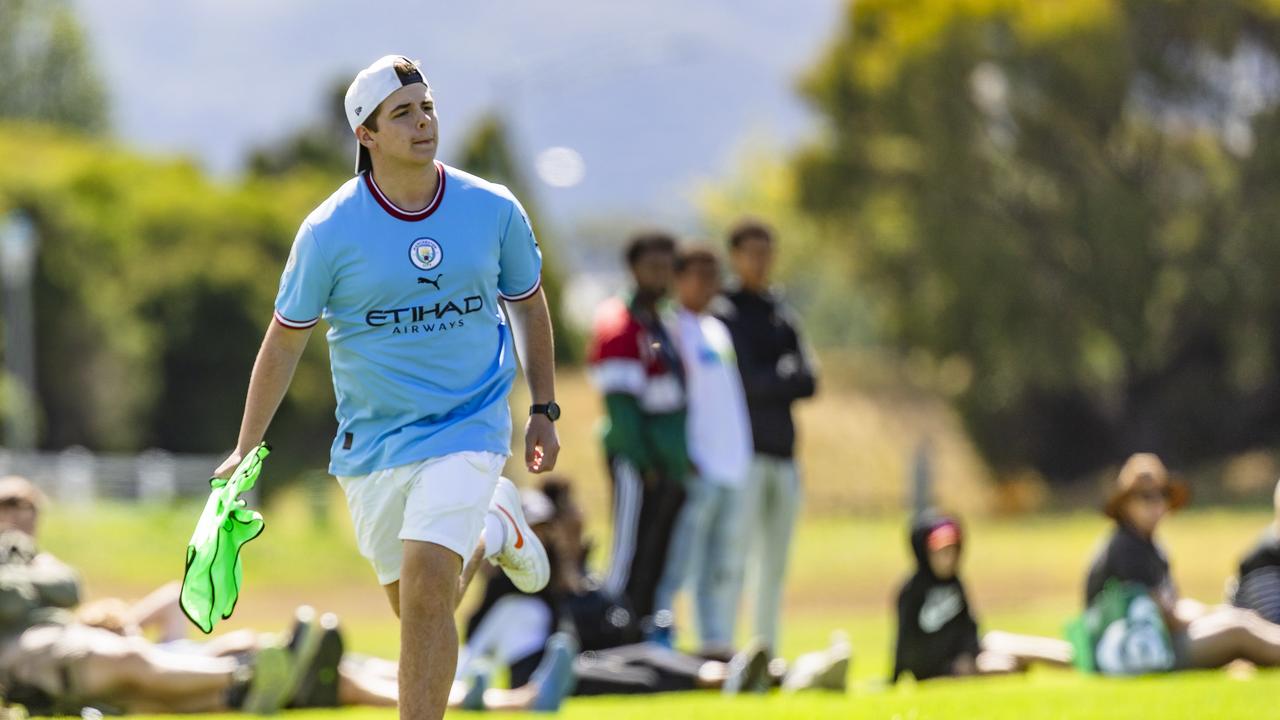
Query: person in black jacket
pixel 775 372
pixel 937 633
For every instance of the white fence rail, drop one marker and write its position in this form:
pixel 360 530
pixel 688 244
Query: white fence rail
pixel 76 476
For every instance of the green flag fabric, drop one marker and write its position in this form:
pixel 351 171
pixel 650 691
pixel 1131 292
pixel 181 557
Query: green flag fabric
pixel 211 583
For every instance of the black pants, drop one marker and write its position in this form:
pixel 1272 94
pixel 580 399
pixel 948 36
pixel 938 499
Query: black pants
pixel 635 670
pixel 644 514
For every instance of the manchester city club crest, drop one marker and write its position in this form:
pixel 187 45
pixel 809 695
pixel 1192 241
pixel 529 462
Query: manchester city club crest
pixel 425 253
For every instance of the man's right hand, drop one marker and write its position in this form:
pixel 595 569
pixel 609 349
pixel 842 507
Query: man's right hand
pixel 228 466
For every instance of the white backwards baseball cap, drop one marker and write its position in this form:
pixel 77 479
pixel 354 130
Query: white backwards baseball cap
pixel 371 86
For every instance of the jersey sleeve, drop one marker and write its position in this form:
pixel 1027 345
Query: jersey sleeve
pixel 520 259
pixel 305 283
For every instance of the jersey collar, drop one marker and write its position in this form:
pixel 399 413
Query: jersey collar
pixel 398 213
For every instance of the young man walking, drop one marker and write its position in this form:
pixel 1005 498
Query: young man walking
pixel 406 263
pixel 775 373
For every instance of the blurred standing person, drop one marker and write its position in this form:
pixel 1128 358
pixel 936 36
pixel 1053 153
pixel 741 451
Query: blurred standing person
pixel 635 365
pixel 430 281
pixel 775 373
pixel 711 530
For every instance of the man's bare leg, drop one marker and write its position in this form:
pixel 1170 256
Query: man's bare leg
pixel 1021 651
pixel 161 610
pixel 464 580
pixel 132 669
pixel 360 688
pixel 428 638
pixel 469 570
pixel 1229 634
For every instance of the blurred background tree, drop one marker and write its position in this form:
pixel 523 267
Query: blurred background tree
pixel 325 147
pixel 152 291
pixel 46 70
pixel 1074 202
pixel 486 151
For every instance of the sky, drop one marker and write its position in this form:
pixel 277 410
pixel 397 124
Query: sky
pixel 654 97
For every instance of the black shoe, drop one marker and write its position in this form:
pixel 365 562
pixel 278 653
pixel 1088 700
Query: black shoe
pixel 748 671
pixel 318 684
pixel 304 623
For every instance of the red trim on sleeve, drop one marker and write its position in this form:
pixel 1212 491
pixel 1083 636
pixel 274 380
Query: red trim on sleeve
pixel 294 324
pixel 524 295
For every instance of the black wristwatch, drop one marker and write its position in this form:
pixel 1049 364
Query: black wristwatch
pixel 551 410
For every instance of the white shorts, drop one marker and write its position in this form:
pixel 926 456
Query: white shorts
pixel 440 500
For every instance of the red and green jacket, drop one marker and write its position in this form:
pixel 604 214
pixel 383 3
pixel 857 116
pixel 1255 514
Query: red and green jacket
pixel 637 368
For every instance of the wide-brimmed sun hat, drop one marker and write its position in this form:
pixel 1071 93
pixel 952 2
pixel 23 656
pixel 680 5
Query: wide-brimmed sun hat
pixel 1143 472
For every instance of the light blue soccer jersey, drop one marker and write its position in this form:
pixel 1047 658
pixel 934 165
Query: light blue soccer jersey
pixel 422 357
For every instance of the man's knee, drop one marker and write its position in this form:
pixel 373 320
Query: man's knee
pixel 109 667
pixel 429 576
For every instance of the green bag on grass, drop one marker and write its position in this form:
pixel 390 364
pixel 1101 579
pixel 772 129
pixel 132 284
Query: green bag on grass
pixel 211 582
pixel 1122 633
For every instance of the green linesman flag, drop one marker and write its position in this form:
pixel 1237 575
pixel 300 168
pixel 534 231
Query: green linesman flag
pixel 211 584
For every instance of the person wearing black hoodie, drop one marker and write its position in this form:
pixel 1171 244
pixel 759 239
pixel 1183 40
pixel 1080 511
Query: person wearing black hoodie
pixel 937 633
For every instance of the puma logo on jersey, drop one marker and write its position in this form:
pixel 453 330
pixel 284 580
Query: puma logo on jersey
pixel 428 281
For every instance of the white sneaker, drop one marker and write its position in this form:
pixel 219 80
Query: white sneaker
pixel 522 557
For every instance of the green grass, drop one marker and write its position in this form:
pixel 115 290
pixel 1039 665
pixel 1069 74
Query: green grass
pixel 1024 575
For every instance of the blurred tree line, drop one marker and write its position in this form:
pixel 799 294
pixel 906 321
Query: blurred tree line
pixel 153 286
pixel 1071 206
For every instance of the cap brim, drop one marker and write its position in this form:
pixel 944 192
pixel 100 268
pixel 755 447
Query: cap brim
pixel 363 163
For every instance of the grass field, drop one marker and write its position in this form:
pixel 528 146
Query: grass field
pixel 1024 573
pixel 1025 576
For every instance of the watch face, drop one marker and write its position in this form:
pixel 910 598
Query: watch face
pixel 553 411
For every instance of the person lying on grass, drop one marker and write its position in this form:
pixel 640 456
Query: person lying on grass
pixel 59 656
pixel 53 660
pixel 1257 586
pixel 1201 636
pixel 937 634
pixel 575 639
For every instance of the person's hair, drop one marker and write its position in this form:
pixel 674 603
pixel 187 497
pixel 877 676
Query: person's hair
pixel 649 241
pixel 694 257
pixel 404 69
pixel 558 491
pixel 16 486
pixel 747 229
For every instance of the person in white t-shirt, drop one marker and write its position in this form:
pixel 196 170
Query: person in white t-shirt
pixel 706 549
